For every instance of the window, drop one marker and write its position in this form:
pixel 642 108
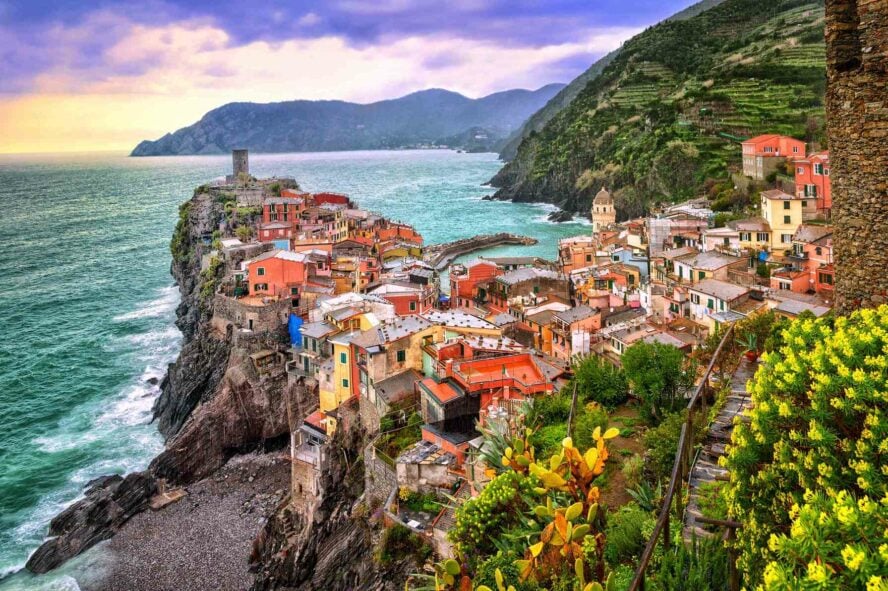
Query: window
pixel 294 291
pixel 786 238
pixel 588 258
pixel 799 170
pixel 345 382
pixel 745 236
pixel 402 356
pixel 786 205
pixel 804 204
pixel 795 149
pixel 825 172
pixel 343 357
pixel 826 278
pixel 721 305
pixel 726 241
pixel 762 236
pixel 787 219
pixel 695 298
pixel 305 342
pixel 818 251
pixel 818 169
pixel 701 274
pixel 710 304
pixel 261 287
pixel 413 306
pixel 810 190
pixel 260 271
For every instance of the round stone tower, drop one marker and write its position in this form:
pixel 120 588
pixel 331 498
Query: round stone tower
pixel 604 213
pixel 240 161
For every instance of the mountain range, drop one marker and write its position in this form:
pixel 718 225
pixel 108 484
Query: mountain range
pixel 428 117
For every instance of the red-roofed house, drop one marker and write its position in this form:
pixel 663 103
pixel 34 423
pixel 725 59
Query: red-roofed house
pixel 762 153
pixel 464 280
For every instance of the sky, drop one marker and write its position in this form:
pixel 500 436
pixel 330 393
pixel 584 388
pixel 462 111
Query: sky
pixel 106 74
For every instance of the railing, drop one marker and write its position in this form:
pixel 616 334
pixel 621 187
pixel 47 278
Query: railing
pixel 681 469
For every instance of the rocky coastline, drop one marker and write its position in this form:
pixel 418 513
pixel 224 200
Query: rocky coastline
pixel 213 409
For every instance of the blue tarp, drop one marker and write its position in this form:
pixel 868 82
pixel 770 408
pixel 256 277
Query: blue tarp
pixel 763 256
pixel 294 327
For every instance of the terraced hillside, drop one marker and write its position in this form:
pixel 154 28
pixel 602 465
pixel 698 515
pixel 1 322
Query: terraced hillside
pixel 668 111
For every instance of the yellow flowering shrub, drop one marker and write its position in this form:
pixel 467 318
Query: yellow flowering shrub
pixel 808 470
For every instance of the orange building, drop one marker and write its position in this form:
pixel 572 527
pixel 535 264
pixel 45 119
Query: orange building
pixel 464 280
pixel 762 153
pixel 812 181
pixel 278 273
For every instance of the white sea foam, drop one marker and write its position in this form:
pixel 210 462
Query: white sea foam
pixel 160 306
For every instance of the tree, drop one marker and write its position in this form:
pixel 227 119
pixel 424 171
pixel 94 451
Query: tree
pixel 243 232
pixel 599 381
pixel 660 375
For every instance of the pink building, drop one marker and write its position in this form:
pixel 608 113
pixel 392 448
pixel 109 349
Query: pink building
pixel 762 153
pixel 812 180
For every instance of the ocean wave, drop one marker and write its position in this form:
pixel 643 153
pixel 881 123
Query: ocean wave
pixel 160 306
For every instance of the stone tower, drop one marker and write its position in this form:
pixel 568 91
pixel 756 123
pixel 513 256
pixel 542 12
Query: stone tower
pixel 240 162
pixel 857 125
pixel 604 213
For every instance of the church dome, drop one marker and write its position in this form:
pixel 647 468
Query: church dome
pixel 603 198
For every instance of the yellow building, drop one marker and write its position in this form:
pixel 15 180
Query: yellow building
pixel 335 379
pixel 783 213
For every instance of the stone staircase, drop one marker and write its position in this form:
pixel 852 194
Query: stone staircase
pixel 706 468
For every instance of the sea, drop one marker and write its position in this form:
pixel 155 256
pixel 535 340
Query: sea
pixel 87 303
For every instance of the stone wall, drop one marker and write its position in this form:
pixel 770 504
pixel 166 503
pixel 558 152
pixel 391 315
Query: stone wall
pixel 857 124
pixel 268 318
pixel 379 477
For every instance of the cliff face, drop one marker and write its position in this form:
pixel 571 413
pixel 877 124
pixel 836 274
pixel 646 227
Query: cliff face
pixel 334 550
pixel 665 113
pixel 213 403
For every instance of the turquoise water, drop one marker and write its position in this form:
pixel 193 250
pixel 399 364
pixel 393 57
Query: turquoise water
pixel 88 304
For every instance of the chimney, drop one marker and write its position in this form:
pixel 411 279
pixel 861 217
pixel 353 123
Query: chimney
pixel 448 368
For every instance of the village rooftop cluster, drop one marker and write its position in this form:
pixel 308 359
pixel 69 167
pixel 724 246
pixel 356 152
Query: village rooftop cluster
pixel 378 337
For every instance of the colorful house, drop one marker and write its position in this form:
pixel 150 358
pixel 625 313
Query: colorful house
pixel 711 295
pixel 572 330
pixel 277 273
pixel 783 213
pixel 812 181
pixel 762 154
pixel 408 298
pixel 464 281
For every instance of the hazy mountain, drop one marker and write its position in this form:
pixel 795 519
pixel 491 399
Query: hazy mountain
pixel 422 118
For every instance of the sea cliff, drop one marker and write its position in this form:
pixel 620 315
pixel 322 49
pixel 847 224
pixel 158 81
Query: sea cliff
pixel 214 407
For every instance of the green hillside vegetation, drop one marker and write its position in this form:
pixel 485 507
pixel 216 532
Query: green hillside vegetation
pixel 669 110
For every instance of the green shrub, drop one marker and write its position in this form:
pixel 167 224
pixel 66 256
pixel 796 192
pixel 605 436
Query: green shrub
pixel 625 534
pixel 590 417
pixel 599 381
pixel 633 468
pixel 398 542
pixel 700 566
pixel 505 563
pixel 622 577
pixel 711 498
pixel 547 440
pixel 808 479
pixel 660 376
pixel 662 443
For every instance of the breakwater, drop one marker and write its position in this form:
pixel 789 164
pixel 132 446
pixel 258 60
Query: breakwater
pixel 441 255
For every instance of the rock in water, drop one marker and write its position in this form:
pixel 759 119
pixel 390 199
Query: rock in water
pixel 109 503
pixel 560 216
